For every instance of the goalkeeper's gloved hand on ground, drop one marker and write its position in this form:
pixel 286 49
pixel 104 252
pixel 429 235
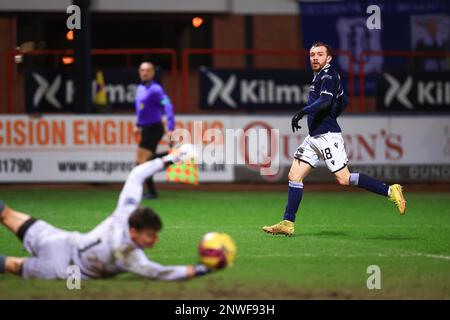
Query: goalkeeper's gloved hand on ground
pixel 295 120
pixel 201 270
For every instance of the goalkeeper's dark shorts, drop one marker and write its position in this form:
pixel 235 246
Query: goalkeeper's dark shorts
pixel 151 135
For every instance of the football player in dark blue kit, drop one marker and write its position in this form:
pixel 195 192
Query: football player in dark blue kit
pixel 326 102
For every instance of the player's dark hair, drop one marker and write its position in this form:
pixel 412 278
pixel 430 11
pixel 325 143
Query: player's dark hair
pixel 323 44
pixel 144 218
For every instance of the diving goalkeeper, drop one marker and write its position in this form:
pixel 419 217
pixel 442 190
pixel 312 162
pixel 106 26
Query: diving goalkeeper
pixel 114 246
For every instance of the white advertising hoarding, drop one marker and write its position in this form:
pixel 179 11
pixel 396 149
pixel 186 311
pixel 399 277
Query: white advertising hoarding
pixel 371 139
pixel 82 148
pixel 102 148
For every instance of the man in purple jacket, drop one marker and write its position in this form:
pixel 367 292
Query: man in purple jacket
pixel 151 103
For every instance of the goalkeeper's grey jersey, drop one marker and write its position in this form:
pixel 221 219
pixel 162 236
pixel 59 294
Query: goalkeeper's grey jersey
pixel 105 251
pixel 108 250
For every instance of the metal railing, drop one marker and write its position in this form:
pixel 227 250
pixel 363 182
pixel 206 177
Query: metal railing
pixel 10 65
pixel 403 54
pixel 239 52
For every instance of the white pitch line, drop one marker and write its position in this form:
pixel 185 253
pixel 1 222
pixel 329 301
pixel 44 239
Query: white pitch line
pixel 307 226
pixel 355 226
pixel 382 255
pixel 314 255
pixel 428 255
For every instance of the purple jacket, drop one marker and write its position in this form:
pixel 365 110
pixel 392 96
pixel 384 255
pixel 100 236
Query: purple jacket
pixel 151 102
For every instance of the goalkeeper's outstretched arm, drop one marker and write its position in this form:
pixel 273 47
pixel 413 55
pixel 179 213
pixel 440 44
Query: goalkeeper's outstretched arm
pixel 132 191
pixel 131 194
pixel 137 263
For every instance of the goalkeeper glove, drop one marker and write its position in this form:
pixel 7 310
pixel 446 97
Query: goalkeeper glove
pixel 201 270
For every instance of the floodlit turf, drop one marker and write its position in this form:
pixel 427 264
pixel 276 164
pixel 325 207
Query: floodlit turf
pixel 338 235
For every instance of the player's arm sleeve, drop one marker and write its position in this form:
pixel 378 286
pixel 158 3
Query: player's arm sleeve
pixel 168 110
pixel 165 102
pixel 131 194
pixel 136 109
pixel 323 102
pixel 342 103
pixel 137 263
pixel 329 83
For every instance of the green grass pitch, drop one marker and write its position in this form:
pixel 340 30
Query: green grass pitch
pixel 338 235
